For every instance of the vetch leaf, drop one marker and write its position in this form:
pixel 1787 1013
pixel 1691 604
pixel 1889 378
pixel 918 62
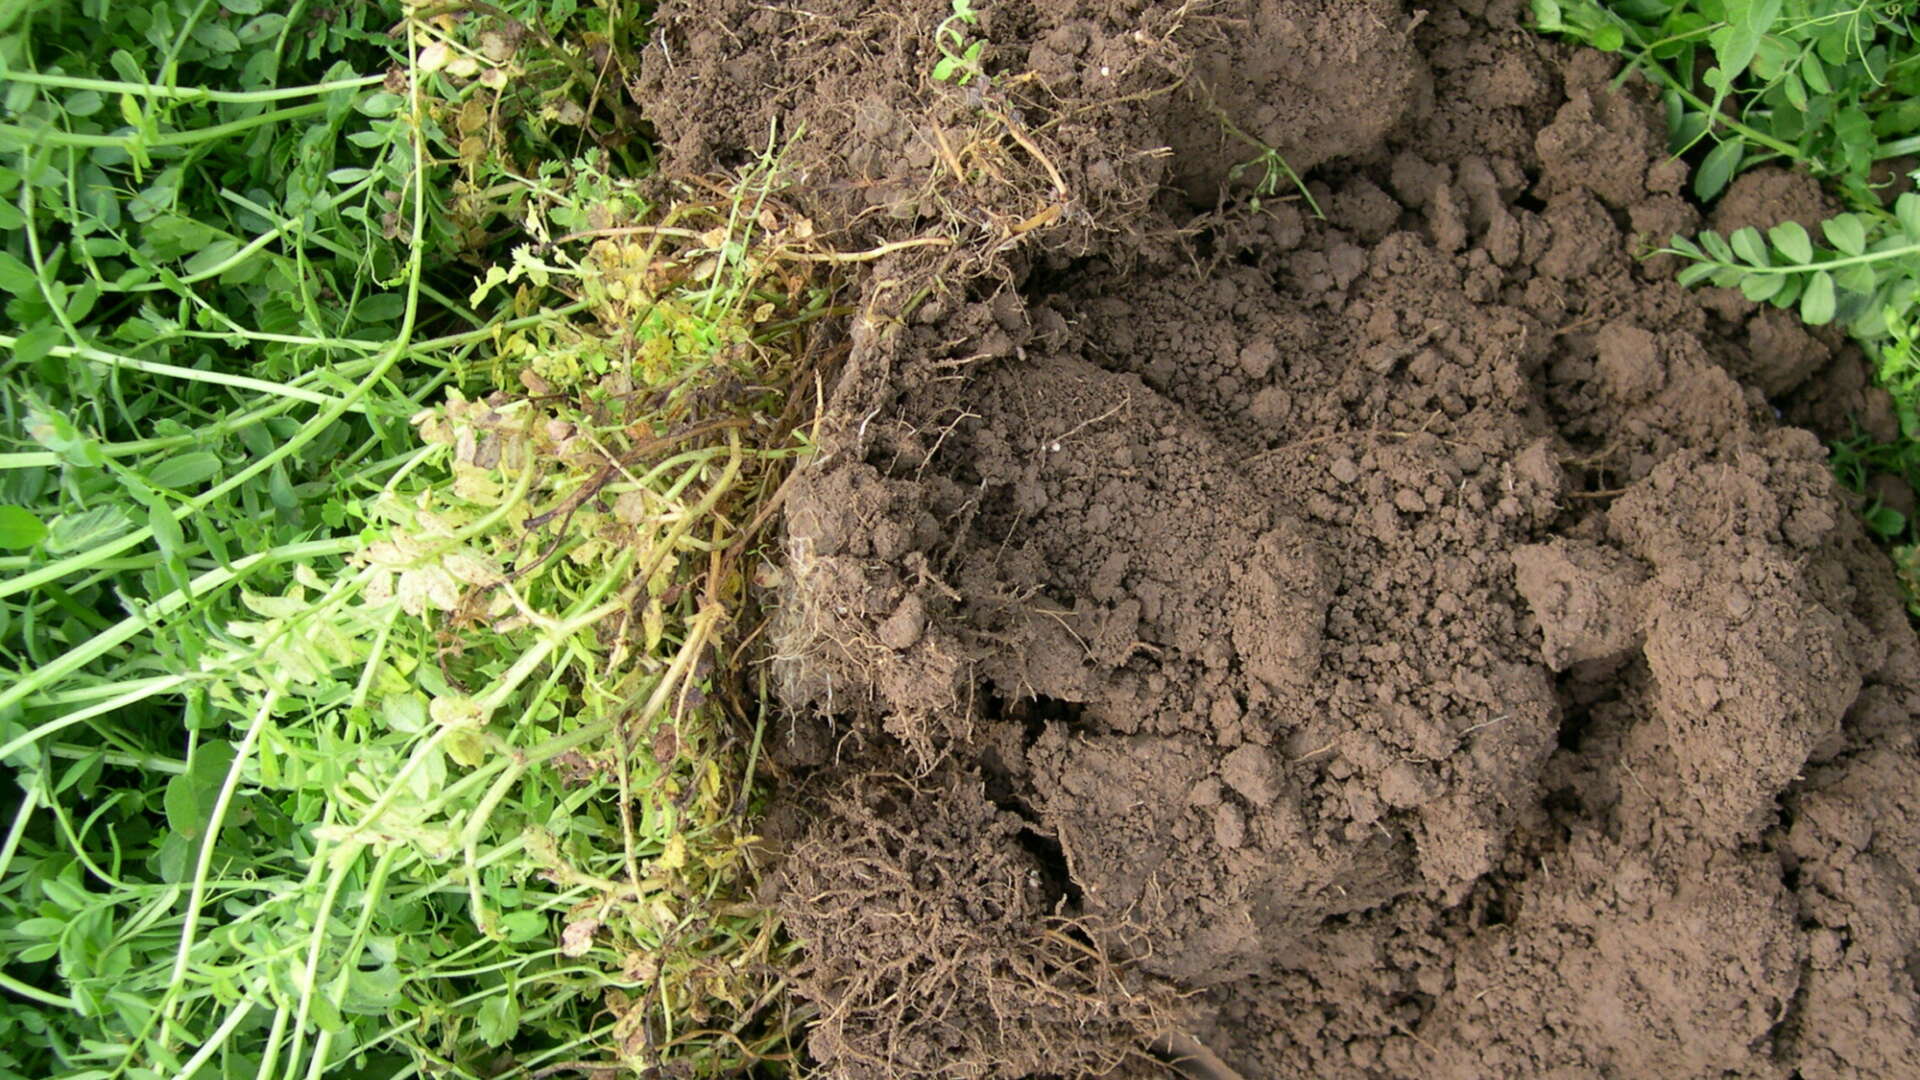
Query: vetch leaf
pixel 85 103
pixel 34 345
pixel 1817 303
pixel 259 29
pixel 1792 240
pixel 190 796
pixel 58 434
pixel 380 104
pixel 1716 246
pixel 17 277
pixel 1907 209
pixel 1759 287
pixel 1886 521
pixel 326 1014
pixel 1717 169
pixel 185 470
pixel 523 926
pixel 211 256
pixel 1858 278
pixel 1846 233
pixel 19 528
pixel 498 1019
pixel 1748 245
pixel 1815 74
pixel 1795 91
pixel 1747 24
pixel 216 37
pixel 1695 274
pixel 88 528
pixel 65 893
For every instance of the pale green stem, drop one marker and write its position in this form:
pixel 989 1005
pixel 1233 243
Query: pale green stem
pixel 146 763
pixel 350 958
pixel 238 382
pixel 61 723
pixel 197 895
pixel 29 802
pixel 1905 252
pixel 281 1017
pixel 341 861
pixel 77 657
pixel 134 142
pixel 79 695
pixel 8 982
pixel 189 94
pixel 217 1040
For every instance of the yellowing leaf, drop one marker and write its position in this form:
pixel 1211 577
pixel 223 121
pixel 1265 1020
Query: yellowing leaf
pixel 472 569
pixel 428 587
pixel 653 623
pixel 674 855
pixel 456 710
pixel 466 747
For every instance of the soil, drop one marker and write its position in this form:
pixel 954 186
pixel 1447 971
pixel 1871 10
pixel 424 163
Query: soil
pixel 1414 642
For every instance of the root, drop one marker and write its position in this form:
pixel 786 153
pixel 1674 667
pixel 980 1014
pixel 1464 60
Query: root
pixel 933 955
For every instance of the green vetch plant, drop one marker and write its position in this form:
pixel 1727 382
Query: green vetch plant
pixel 1273 169
pixel 370 702
pixel 960 52
pixel 1866 274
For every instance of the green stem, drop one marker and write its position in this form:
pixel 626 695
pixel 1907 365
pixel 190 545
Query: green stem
pixel 217 1040
pixel 50 137
pixel 189 94
pixel 280 228
pixel 217 378
pixel 1865 258
pixel 61 723
pixel 75 658
pixel 350 958
pixel 29 801
pixel 34 993
pixel 1897 148
pixel 196 896
pixel 341 861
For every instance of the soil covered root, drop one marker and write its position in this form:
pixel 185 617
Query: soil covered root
pixel 933 950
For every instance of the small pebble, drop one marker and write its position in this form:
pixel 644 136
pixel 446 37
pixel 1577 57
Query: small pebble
pixel 1738 602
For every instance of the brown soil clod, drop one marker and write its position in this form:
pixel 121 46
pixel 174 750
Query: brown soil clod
pixel 1408 643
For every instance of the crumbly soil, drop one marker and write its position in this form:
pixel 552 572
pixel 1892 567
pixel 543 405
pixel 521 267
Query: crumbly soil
pixel 1410 643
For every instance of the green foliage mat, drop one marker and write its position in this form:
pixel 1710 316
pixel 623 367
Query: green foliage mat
pixel 366 634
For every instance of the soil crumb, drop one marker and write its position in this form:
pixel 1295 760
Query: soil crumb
pixel 1375 627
